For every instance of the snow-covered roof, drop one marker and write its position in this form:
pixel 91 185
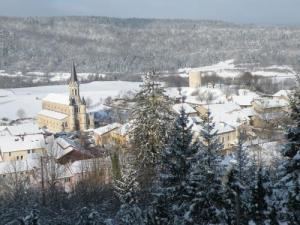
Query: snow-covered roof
pixel 187 108
pixel 220 128
pixel 63 146
pixel 243 100
pixel 124 129
pixel 84 166
pixel 107 128
pixel 24 129
pixel 217 109
pixel 267 103
pixel 57 98
pixel 53 114
pixel 284 93
pixel 12 144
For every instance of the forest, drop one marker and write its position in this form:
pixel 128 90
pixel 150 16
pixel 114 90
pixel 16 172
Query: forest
pixel 103 44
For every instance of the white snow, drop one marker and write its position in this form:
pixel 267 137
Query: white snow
pixel 102 130
pixel 52 114
pixel 187 108
pixel 11 144
pixel 228 68
pixel 30 99
pixel 57 98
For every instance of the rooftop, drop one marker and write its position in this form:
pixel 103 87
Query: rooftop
pixel 187 108
pixel 52 114
pixel 57 98
pixel 107 128
pixel 29 142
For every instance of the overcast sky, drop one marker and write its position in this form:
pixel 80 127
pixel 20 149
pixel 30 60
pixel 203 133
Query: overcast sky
pixel 238 11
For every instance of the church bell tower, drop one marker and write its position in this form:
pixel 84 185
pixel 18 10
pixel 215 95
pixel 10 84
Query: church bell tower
pixel 74 86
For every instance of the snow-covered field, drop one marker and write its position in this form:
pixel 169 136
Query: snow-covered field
pixel 229 69
pixel 29 99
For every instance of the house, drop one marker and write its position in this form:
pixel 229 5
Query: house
pixel 268 112
pixel 282 94
pixel 102 135
pixel 26 171
pixel 19 148
pixel 96 169
pixel 66 150
pixel 226 134
pixel 120 135
pixel 65 113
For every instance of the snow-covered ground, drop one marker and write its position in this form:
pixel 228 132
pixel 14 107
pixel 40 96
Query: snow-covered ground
pixel 29 99
pixel 229 69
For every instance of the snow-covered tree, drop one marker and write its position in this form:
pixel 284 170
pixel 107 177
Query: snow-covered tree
pixel 236 195
pixel 126 189
pixel 258 203
pixel 210 142
pixel 288 188
pixel 205 193
pixel 205 204
pixel 151 118
pixel 173 172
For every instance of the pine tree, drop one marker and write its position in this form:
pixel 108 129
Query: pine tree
pixel 236 195
pixel 205 202
pixel 232 197
pixel 259 205
pixel 151 118
pixel 126 189
pixel 174 168
pixel 210 142
pixel 288 188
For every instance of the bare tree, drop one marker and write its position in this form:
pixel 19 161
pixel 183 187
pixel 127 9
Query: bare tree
pixel 21 114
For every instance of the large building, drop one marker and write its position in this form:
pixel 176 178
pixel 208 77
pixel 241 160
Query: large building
pixel 65 113
pixel 195 79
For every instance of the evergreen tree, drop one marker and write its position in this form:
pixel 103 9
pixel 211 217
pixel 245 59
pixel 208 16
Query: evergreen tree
pixel 205 203
pixel 174 168
pixel 259 206
pixel 210 142
pixel 151 118
pixel 232 198
pixel 287 194
pixel 126 189
pixel 236 196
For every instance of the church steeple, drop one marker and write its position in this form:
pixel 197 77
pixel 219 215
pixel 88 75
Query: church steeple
pixel 73 74
pixel 74 85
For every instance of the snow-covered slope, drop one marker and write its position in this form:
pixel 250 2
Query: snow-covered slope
pixel 229 69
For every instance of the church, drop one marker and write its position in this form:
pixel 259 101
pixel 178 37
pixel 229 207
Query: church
pixel 65 113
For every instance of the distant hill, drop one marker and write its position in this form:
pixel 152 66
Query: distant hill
pixel 102 45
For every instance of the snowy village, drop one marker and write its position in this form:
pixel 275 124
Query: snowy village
pixel 134 121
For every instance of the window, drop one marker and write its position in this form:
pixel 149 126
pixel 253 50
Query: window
pixel 9 154
pixel 67 179
pixel 228 137
pixel 28 151
pixel 17 157
pixel 21 157
pixel 223 140
pixel 33 151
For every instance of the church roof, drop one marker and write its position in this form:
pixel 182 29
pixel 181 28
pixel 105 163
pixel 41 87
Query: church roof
pixel 73 74
pixel 57 98
pixel 53 114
